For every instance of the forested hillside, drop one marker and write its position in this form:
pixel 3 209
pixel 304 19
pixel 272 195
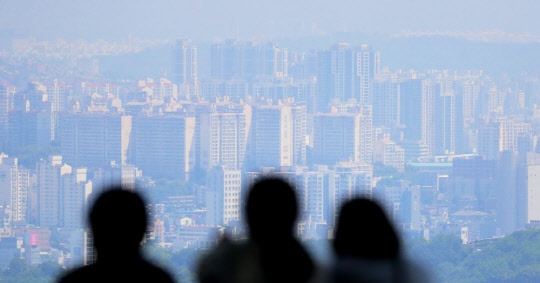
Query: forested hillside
pixel 514 258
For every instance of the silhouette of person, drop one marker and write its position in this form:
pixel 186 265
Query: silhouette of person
pixel 272 253
pixel 368 248
pixel 118 221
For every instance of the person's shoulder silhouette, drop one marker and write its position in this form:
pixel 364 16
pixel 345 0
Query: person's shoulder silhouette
pixel 368 248
pixel 118 222
pixel 272 253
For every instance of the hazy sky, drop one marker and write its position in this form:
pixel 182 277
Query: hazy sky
pixel 205 19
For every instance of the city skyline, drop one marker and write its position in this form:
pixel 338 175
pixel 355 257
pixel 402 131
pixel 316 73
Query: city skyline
pixel 445 151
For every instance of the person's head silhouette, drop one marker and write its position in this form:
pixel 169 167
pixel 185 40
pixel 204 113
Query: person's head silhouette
pixel 364 231
pixel 118 221
pixel 271 210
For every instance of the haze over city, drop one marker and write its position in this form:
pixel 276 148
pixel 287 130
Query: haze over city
pixel 429 108
pixel 205 20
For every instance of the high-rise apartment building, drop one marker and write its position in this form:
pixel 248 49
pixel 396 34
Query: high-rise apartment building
pixel 489 140
pixel 511 129
pixel 225 60
pixel 49 174
pixel 62 194
pixel 528 182
pixel 93 140
pixel 223 196
pixel 367 66
pixel 163 146
pixel 273 61
pixel 469 89
pixel 336 77
pixel 500 133
pixel 445 119
pixel 6 105
pixel 517 190
pixel 386 104
pixel 346 73
pixel 299 120
pixel 417 112
pixel 272 136
pixel 222 135
pixel 507 196
pixel 58 93
pixel 247 61
pixel 312 193
pixel 184 63
pixel 411 93
pixel 14 188
pixel 343 137
pixel 74 196
pixel 30 128
pixel 185 69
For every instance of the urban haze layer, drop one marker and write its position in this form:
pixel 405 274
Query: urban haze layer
pixel 451 152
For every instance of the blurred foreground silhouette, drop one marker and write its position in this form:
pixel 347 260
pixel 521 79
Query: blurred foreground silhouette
pixel 272 253
pixel 118 221
pixel 368 248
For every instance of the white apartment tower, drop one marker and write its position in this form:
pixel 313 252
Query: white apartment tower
pixel 528 180
pixel 367 66
pixel 58 94
pixel 299 117
pixel 6 105
pixel 222 136
pixel 14 186
pixel 184 67
pixel 223 196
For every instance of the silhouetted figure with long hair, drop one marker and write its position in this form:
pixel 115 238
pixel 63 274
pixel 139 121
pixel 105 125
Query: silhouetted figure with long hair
pixel 368 248
pixel 118 221
pixel 272 253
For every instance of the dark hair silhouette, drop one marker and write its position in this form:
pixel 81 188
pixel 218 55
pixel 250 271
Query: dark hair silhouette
pixel 364 231
pixel 118 222
pixel 271 214
pixel 271 210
